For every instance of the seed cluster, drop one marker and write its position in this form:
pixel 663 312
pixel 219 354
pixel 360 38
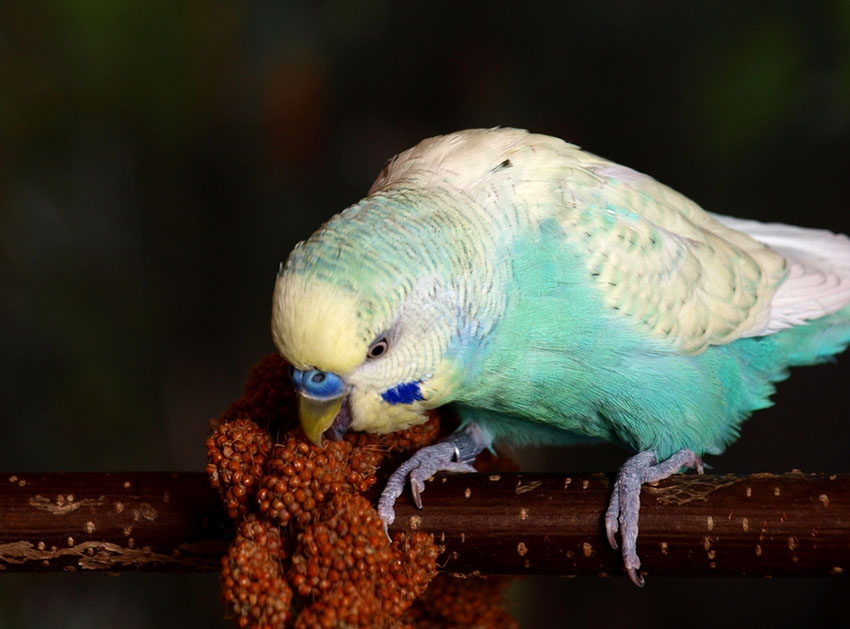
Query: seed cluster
pixel 310 550
pixel 345 561
pixel 237 453
pixel 252 581
pixel 301 475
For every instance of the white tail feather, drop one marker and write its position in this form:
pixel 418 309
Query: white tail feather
pixel 818 281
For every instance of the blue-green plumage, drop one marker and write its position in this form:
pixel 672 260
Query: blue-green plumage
pixel 559 356
pixel 552 296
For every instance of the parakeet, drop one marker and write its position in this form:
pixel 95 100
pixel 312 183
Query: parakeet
pixel 550 296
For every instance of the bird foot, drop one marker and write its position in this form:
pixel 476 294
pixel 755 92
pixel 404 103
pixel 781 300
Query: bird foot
pixel 624 508
pixel 455 453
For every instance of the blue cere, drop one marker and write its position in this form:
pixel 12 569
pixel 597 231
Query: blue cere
pixel 404 393
pixel 317 384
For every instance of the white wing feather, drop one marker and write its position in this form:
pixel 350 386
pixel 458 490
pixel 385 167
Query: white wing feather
pixel 818 281
pixel 681 273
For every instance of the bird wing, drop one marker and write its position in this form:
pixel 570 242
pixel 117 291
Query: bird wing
pixel 695 278
pixel 680 273
pixel 818 278
pixel 662 261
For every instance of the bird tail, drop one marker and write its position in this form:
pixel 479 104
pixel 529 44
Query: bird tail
pixel 763 361
pixel 815 341
pixel 810 315
pixel 818 270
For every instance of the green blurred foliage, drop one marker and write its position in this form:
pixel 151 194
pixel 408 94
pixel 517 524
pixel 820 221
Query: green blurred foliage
pixel 749 86
pixel 158 159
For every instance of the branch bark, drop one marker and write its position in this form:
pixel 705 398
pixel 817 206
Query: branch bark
pixel 761 525
pixel 156 521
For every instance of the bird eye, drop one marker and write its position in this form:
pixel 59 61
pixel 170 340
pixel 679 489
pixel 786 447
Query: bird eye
pixel 377 348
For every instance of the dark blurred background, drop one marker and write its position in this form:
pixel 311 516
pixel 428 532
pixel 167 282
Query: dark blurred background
pixel 158 159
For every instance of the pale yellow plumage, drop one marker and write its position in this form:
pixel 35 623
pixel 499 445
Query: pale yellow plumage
pixel 549 294
pixel 314 324
pixel 682 276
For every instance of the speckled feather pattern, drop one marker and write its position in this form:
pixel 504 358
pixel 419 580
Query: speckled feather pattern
pixel 550 294
pixel 360 277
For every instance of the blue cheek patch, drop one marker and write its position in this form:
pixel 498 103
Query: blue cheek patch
pixel 404 393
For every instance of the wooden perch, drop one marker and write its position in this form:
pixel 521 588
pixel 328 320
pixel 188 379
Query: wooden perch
pixel 690 525
pixel 761 525
pixel 123 521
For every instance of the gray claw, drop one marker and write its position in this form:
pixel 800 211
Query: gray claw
pixel 624 508
pixel 454 454
pixel 612 514
pixel 387 530
pixel 416 489
pixel 636 578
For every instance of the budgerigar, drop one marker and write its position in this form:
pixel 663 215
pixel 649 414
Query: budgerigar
pixel 550 296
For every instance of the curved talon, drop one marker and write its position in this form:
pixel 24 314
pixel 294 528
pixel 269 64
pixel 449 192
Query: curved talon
pixel 612 524
pixel 624 507
pixel 635 577
pixel 422 473
pixel 454 454
pixel 416 489
pixel 612 532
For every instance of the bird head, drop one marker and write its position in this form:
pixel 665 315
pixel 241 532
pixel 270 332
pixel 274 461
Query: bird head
pixel 382 311
pixel 368 343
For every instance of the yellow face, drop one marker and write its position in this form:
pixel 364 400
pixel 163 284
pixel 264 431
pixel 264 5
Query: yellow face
pixel 387 364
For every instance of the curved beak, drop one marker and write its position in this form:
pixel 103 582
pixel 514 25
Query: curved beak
pixel 317 415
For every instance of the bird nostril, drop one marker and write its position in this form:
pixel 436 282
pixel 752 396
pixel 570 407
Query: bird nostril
pixel 317 377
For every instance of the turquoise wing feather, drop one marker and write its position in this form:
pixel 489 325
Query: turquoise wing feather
pixel 631 314
pixel 552 297
pixel 549 294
